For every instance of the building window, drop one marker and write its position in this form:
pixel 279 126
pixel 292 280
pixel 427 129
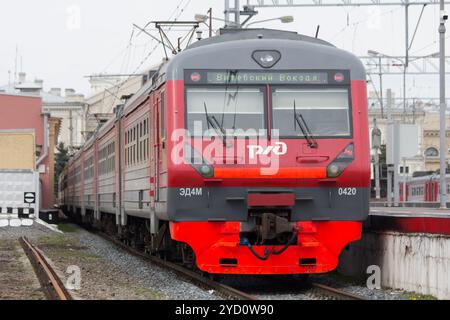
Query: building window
pixel 404 170
pixel 431 152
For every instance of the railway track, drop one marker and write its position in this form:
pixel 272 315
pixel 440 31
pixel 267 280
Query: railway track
pixel 50 282
pixel 228 292
pixel 335 293
pixel 223 290
pixel 277 287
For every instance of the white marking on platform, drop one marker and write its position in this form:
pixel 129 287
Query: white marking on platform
pixel 49 226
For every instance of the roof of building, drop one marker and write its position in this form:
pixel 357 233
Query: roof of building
pixel 46 97
pixel 19 94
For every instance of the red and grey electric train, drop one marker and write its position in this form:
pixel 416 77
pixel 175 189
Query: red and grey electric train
pixel 247 153
pixel 423 189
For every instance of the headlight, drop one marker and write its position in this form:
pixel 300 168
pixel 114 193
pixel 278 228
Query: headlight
pixel 267 59
pixel 342 161
pixel 206 170
pixel 196 160
pixel 333 170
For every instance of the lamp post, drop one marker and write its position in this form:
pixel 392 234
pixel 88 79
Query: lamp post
pixel 380 74
pixel 202 18
pixel 284 19
pixel 380 55
pixel 376 145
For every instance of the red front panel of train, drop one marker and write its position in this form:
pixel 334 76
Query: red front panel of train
pixel 210 224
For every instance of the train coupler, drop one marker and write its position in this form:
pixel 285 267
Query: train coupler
pixel 273 226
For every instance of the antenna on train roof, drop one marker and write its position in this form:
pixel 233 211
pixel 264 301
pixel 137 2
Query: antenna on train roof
pixel 317 31
pixel 160 25
pixel 164 39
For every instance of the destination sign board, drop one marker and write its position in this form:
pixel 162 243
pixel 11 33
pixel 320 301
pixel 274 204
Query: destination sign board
pixel 267 77
pixel 263 77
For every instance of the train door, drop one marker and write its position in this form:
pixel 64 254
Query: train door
pixel 154 153
pixel 157 180
pixel 436 191
pixel 157 149
pixel 402 193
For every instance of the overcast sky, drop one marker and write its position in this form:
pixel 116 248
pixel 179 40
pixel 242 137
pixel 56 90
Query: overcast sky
pixel 61 41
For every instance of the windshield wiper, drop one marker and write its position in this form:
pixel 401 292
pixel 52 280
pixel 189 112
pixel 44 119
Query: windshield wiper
pixel 215 124
pixel 298 117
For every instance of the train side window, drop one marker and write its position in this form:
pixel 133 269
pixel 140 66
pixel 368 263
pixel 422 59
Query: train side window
pixel 136 129
pixel 163 115
pixel 108 152
pixel 134 146
pixel 129 147
pixel 141 150
pixel 147 130
pixel 137 143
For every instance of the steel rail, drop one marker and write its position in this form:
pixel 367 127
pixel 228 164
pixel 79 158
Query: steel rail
pixel 339 294
pixel 309 286
pixel 223 290
pixel 49 280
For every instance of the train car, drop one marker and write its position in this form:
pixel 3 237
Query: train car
pixel 423 189
pixel 246 153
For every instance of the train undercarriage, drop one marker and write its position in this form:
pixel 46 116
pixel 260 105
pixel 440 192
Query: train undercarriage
pixel 267 244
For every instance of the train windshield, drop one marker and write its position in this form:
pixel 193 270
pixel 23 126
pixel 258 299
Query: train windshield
pixel 225 110
pixel 325 111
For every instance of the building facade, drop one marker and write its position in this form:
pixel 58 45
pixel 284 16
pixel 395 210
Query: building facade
pixel 108 92
pixel 427 121
pixel 24 112
pixel 69 107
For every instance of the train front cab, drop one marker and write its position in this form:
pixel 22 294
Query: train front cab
pixel 236 218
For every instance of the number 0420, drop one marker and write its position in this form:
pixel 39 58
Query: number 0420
pixel 347 191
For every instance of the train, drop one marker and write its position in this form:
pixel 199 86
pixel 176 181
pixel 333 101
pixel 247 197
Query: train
pixel 424 188
pixel 246 153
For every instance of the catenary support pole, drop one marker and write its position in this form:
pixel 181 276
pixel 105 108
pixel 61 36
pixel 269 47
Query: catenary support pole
pixel 443 129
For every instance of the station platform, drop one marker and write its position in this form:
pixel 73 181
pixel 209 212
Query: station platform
pixel 409 220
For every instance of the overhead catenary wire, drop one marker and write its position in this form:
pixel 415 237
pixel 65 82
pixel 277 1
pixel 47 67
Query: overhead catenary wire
pixel 150 53
pixel 124 52
pixel 157 45
pixel 354 24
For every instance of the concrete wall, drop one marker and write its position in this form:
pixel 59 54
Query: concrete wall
pixel 414 262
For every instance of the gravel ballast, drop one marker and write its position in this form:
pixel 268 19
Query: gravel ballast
pixel 109 273
pixel 18 280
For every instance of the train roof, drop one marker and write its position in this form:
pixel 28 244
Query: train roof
pixel 234 49
pixel 435 176
pixel 202 53
pixel 249 34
